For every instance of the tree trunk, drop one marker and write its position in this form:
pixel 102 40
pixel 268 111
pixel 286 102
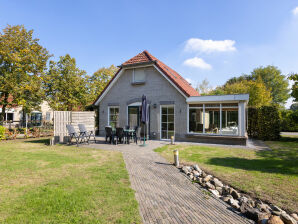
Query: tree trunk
pixel 4 104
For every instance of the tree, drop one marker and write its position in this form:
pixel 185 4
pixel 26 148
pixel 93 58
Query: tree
pixel 274 80
pixel 22 63
pixel 259 95
pixel 294 93
pixel 98 81
pixel 65 85
pixel 204 88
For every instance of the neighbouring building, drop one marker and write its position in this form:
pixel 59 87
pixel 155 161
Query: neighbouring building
pixel 14 116
pixel 176 108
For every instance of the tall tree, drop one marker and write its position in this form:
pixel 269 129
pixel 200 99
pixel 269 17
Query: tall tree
pixel 294 92
pixel 274 80
pixel 22 63
pixel 259 95
pixel 65 85
pixel 204 87
pixel 98 81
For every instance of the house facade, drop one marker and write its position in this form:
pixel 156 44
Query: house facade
pixel 14 116
pixel 175 107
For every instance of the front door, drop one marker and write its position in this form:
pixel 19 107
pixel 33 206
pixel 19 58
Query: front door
pixel 134 119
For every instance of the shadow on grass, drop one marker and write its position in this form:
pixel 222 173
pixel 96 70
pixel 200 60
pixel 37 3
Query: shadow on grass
pixel 45 141
pixel 266 165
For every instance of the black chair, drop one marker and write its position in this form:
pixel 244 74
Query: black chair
pixel 109 134
pixel 85 133
pixel 73 134
pixel 119 135
pixel 137 134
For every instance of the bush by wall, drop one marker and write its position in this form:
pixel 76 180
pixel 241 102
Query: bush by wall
pixel 264 123
pixel 2 132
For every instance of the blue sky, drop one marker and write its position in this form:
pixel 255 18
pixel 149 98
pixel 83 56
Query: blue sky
pixel 199 39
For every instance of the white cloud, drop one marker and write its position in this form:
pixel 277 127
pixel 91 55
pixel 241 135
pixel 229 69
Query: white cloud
pixel 198 63
pixel 295 11
pixel 208 46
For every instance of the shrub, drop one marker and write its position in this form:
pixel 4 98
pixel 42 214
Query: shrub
pixel 289 120
pixel 2 132
pixel 264 123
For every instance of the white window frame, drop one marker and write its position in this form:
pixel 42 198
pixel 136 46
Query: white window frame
pixel 220 117
pixel 160 120
pixel 109 107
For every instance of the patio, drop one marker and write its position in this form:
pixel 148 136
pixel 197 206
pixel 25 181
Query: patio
pixel 164 194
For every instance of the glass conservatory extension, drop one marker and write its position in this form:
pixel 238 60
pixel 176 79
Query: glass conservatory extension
pixel 210 115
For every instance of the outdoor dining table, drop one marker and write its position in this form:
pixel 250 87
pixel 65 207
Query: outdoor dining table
pixel 128 133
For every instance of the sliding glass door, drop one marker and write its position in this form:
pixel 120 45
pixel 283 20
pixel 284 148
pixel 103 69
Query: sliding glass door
pixel 167 122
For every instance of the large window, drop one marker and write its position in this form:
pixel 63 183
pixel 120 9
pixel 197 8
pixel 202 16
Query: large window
pixel 167 122
pixel 220 119
pixel 114 116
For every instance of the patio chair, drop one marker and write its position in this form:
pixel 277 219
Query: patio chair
pixel 73 134
pixel 87 134
pixel 109 134
pixel 119 135
pixel 137 134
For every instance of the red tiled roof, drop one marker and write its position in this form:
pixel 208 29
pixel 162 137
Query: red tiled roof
pixel 180 82
pixel 177 79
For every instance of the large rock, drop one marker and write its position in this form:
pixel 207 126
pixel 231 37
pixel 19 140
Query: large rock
pixel 235 194
pixel 287 219
pixel 196 173
pixel 275 220
pixel 263 207
pixel 263 218
pixel 186 169
pixel 217 183
pixel 215 192
pixel 197 168
pixel 210 186
pixel 249 212
pixel 207 178
pixel 226 198
pixel 219 189
pixel 295 216
pixel 226 190
pixel 234 203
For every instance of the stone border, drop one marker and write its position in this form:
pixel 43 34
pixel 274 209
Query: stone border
pixel 253 209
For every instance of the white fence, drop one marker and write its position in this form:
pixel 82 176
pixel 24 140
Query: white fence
pixel 62 118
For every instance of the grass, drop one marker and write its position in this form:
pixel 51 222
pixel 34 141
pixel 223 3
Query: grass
pixel 63 184
pixel 269 175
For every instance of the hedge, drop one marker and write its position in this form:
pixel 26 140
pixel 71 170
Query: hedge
pixel 264 123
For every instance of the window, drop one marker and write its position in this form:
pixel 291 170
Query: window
pixel 167 122
pixel 114 116
pixel 9 116
pixel 229 119
pixel 36 118
pixel 196 120
pixel 139 75
pixel 214 118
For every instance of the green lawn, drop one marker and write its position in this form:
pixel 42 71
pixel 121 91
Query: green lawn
pixel 63 184
pixel 269 175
